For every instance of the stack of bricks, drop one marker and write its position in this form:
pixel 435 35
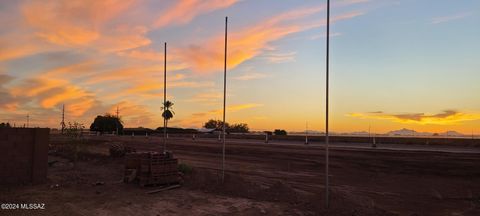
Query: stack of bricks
pixel 152 168
pixel 23 155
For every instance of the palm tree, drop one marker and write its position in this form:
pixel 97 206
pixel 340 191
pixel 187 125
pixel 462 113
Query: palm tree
pixel 167 115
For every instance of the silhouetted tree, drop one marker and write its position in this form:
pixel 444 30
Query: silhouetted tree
pixel 280 132
pixel 215 124
pixel 167 111
pixel 238 128
pixel 218 125
pixel 5 125
pixel 107 123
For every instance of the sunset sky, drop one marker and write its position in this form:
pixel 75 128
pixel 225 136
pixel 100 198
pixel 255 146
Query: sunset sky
pixel 394 63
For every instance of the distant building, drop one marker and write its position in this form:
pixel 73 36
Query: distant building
pixel 138 131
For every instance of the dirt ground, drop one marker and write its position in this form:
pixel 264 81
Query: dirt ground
pixel 260 179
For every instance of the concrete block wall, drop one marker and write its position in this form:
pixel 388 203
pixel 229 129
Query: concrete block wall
pixel 23 155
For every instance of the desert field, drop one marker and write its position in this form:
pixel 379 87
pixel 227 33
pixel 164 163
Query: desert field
pixel 261 179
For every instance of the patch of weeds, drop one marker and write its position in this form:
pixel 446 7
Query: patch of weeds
pixel 184 168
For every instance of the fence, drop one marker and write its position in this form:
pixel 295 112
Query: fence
pixel 23 155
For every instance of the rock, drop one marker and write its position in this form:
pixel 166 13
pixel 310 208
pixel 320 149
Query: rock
pixel 99 183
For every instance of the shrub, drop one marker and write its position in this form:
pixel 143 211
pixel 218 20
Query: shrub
pixel 280 132
pixel 184 168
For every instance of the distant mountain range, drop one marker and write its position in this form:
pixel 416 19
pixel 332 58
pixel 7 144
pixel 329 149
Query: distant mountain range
pixel 408 132
pixel 401 132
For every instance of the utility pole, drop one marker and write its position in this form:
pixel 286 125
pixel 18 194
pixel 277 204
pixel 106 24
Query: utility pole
pixel 63 119
pixel 224 99
pixel 28 119
pixel 164 97
pixel 327 197
pixel 306 133
pixel 118 120
pixel 369 134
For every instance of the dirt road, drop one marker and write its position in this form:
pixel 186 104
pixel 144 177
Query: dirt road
pixel 400 182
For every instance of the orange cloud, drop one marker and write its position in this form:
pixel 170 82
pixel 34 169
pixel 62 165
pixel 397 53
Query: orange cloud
pixel 33 87
pixel 134 73
pixel 201 117
pixel 207 98
pixel 66 93
pixel 11 107
pixel 232 108
pixel 250 42
pixel 183 11
pixel 155 89
pixel 78 23
pixel 76 70
pixel 447 117
pixel 51 92
pixel 135 115
pixel 124 38
pixel 9 51
pixel 80 106
pixel 149 55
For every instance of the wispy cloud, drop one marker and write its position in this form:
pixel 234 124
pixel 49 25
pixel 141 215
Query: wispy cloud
pixel 247 43
pixel 7 100
pixel 183 11
pixel 207 98
pixel 443 19
pixel 231 108
pixel 83 24
pixel 196 119
pixel 447 117
pixel 281 57
pixel 250 76
pixel 134 115
pixel 50 92
pixel 323 35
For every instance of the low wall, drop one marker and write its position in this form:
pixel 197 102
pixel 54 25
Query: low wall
pixel 23 155
pixel 352 139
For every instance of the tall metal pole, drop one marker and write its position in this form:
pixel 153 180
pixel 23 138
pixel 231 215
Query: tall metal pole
pixel 306 132
pixel 224 100
pixel 28 119
pixel 165 97
pixel 327 197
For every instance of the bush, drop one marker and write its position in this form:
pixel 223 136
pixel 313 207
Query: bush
pixel 75 141
pixel 184 168
pixel 280 132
